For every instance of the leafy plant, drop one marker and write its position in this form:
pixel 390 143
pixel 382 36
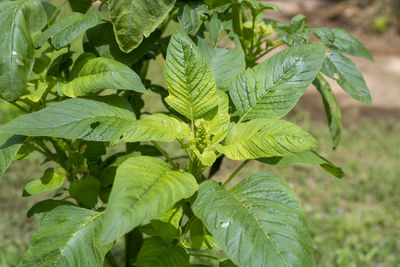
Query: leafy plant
pixel 222 100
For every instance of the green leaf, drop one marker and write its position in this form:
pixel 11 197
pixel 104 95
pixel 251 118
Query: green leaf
pixel 191 85
pixel 97 119
pixel 100 40
pixel 96 74
pixel 348 77
pixel 80 5
pixel 16 51
pixel 332 108
pixel 347 44
pixel 167 226
pixel 134 19
pixel 66 29
pixel 272 88
pixel 9 146
pixel 224 63
pixel 200 238
pixel 67 236
pixel 260 215
pixel 51 180
pixel 226 263
pixel 265 138
pixel 309 157
pixel 156 253
pixel 35 15
pixel 46 206
pixel 220 121
pixel 144 189
pixel 155 127
pixel 189 18
pixel 86 190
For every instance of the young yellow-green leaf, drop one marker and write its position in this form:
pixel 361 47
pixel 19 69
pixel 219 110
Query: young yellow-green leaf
pixel 51 180
pixel 156 253
pixel 272 88
pixel 332 108
pixel 191 84
pixel 348 77
pixel 155 127
pixel 66 29
pixel 218 120
pixel 265 138
pixel 144 189
pixel 96 74
pixel 134 19
pixel 258 222
pixel 9 146
pixel 16 50
pixel 309 157
pixel 67 236
pixel 97 119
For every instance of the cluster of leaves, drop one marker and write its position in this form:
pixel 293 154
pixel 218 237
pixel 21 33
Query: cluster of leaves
pixel 220 102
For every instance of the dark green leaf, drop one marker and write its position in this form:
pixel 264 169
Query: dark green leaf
pixel 224 63
pixel 9 146
pixel 332 109
pixel 66 29
pixel 80 5
pixel 348 77
pixel 85 190
pixel 156 253
pixel 191 85
pixel 134 19
pixel 45 206
pixel 67 236
pixel 97 119
pixel 100 40
pixel 271 89
pixel 347 44
pixel 258 222
pixel 144 189
pixel 309 157
pixel 189 18
pixel 16 51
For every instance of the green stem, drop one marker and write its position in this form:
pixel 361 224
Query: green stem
pixel 111 260
pixel 204 255
pixel 20 107
pixel 244 163
pixel 165 154
pixel 279 42
pixel 252 33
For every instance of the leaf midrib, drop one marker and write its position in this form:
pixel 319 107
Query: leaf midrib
pixel 81 228
pixel 261 227
pixel 269 89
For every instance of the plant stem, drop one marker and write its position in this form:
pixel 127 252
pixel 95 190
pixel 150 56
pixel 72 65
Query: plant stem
pixel 244 163
pixel 111 260
pixel 165 154
pixel 279 42
pixel 204 255
pixel 20 107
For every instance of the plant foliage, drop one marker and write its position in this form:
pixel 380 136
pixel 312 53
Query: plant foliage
pixel 225 96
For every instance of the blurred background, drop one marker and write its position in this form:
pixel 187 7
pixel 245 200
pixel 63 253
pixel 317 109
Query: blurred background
pixel 354 221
